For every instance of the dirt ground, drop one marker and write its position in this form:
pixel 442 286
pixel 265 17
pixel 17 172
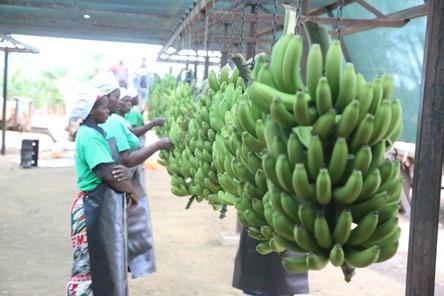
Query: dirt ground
pixel 35 253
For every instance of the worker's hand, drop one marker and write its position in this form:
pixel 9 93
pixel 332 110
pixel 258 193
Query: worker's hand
pixel 165 143
pixel 158 122
pixel 120 173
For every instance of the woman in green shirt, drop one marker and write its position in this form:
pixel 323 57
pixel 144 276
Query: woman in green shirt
pixel 97 214
pixel 141 258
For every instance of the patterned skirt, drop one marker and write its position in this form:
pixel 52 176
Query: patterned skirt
pixel 80 282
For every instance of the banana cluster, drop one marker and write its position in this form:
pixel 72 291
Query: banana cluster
pixel 331 194
pixel 159 93
pixel 178 159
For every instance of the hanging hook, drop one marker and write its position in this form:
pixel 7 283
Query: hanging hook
pixel 339 18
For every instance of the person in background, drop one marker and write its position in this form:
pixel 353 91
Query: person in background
pixel 97 213
pixel 140 239
pixel 120 71
pixel 264 275
pixel 143 79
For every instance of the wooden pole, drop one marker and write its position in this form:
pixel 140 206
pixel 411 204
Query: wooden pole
pixel 5 91
pixel 428 161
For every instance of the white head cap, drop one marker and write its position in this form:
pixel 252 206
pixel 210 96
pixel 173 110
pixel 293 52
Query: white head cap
pixel 84 103
pixel 124 93
pixel 106 83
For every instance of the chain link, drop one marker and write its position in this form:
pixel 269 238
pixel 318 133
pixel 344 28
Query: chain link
pixel 242 29
pixel 256 12
pixel 222 40
pixel 339 18
pixel 206 35
pixel 273 41
pixel 230 49
pixel 298 16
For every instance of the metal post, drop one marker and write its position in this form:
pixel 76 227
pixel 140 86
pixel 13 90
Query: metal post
pixel 5 90
pixel 250 45
pixel 428 161
pixel 206 67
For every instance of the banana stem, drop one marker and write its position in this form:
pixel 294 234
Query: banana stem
pixel 241 64
pixel 348 271
pixel 223 211
pixel 190 201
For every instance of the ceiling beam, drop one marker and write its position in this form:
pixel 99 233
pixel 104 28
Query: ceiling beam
pixel 371 8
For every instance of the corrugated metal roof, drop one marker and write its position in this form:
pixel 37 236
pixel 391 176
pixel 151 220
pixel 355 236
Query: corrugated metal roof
pixel 147 21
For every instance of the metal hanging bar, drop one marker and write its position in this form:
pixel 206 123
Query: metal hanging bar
pixel 273 36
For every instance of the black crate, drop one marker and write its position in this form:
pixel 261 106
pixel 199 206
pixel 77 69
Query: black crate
pixel 29 153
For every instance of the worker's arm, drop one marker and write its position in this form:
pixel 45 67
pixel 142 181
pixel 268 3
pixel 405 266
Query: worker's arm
pixel 132 158
pixel 140 131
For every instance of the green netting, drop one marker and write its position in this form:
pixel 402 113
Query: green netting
pixel 398 51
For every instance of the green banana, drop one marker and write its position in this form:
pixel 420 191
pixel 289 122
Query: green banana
pixel 260 179
pixel 258 207
pixel 307 216
pixel 342 230
pixel 387 251
pixel 389 211
pixel 227 198
pixel 382 121
pixel 290 207
pixel 267 231
pixel 337 256
pixel 374 203
pixel 264 248
pixel 322 232
pixel 213 82
pixel 280 114
pixel 269 168
pixel 261 95
pixel 277 59
pixel 301 185
pixel 246 119
pixel 364 230
pixel 260 132
pixel 316 262
pixel 338 160
pixel 365 98
pixel 323 96
pixel 303 114
pixel 383 231
pixel 251 142
pixel 315 156
pixel 377 96
pixel 387 87
pixel 285 244
pixel 378 152
pixel 314 68
pixel 363 133
pixel 396 119
pixel 283 173
pixel 362 258
pixel 350 192
pixel 363 159
pixel 305 240
pixel 282 225
pixel 290 68
pixel 295 151
pixel 296 264
pixel 349 119
pixel 265 76
pixel 324 125
pixel 371 185
pixel 323 187
pixel 347 87
pixel 333 67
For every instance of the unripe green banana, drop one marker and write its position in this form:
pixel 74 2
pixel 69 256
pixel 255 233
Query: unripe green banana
pixel 271 130
pixel 376 202
pixel 350 192
pixel 388 211
pixel 322 232
pixel 397 133
pixel 363 133
pixel 365 98
pixel 342 229
pixel 316 262
pixel 251 142
pixel 387 251
pixel 364 230
pixel 378 151
pixel 383 231
pixel 283 173
pixel 291 63
pixel 295 151
pixel 324 125
pixel 305 240
pixel 337 256
pixel 363 159
pixel 386 169
pixel 349 119
pixel 276 246
pixel 227 198
pixel 324 101
pixel 307 216
pixel 268 213
pixel 260 179
pixel 246 119
pixel 285 244
pixel 391 186
pixel 382 121
pixel 387 87
pixel 253 232
pixel 267 231
pixel 377 96
pixel 296 264
pixel 282 225
pixel 260 132
pixel 396 120
pixel 275 199
pixel 347 87
pixel 261 95
pixel 264 248
pixel 258 207
pixel 394 237
pixel 333 67
pixel 277 59
pixel 362 258
pixel 243 173
pixel 212 186
pixel 315 156
pixel 338 160
pixel 279 146
pixel 254 162
pixel 280 114
pixel 314 68
pixel 265 76
pixel 323 187
pixel 213 82
pixel 301 111
pixel 371 185
pixel 290 207
pixel 234 75
pixel 395 192
pixel 301 185
pixel 269 168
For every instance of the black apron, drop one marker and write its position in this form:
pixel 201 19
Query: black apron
pixel 257 273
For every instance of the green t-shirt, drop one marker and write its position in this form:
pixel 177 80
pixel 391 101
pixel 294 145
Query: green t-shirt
pixel 118 128
pixel 91 150
pixel 134 117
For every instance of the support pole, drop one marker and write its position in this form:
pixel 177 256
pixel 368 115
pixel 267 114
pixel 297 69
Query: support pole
pixel 206 67
pixel 428 161
pixel 250 45
pixel 5 90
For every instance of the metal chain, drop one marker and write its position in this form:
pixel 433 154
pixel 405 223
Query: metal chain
pixel 206 35
pixel 222 37
pixel 256 11
pixel 274 24
pixel 242 29
pixel 339 18
pixel 298 15
pixel 230 50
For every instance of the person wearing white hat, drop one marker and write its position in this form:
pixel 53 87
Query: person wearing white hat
pixel 97 213
pixel 141 258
